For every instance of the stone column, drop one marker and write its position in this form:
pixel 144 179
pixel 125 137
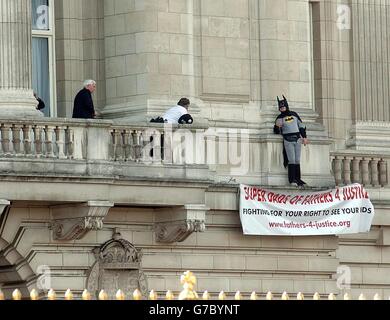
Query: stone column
pixel 16 95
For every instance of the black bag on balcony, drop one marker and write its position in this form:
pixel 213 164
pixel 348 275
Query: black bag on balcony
pixel 186 119
pixel 157 120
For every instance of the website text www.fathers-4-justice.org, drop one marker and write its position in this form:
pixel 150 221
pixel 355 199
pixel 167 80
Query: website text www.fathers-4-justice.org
pixel 311 224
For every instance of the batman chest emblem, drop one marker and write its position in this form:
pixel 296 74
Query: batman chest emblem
pixel 289 119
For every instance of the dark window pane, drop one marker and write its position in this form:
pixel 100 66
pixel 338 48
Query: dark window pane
pixel 41 76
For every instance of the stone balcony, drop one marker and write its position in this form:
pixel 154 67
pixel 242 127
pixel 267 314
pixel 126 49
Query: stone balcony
pixel 68 148
pixel 98 150
pixel 89 149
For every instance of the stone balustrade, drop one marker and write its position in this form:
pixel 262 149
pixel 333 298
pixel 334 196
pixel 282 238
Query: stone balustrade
pixel 106 148
pixel 369 169
pixel 84 140
pixel 137 144
pixel 36 140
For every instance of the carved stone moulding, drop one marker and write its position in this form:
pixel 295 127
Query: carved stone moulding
pixel 117 266
pixel 178 223
pixel 74 221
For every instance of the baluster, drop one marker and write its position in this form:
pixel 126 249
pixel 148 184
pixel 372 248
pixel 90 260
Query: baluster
pixel 383 172
pixel 27 140
pixel 112 146
pixel 167 145
pixel 337 162
pixel 5 140
pixel 145 151
pixel 374 172
pixel 69 142
pixel 156 145
pixel 126 145
pixel 146 145
pixel 365 172
pixel 16 140
pixel 115 144
pixel 37 140
pixel 49 141
pixel 347 170
pixel 132 145
pixel 138 145
pixel 119 145
pixel 356 170
pixel 60 142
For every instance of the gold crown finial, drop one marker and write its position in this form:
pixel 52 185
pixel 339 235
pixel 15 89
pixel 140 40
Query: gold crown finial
pixel 238 296
pixel 2 297
pixel 188 280
pixel 316 296
pixel 269 296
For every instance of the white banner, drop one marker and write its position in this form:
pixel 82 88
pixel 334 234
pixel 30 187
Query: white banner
pixel 343 210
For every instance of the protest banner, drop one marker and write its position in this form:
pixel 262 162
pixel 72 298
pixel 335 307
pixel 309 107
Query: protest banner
pixel 343 210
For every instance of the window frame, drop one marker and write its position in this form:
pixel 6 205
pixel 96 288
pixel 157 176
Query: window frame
pixel 50 36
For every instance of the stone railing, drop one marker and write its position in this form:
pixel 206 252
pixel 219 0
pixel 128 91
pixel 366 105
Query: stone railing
pixel 86 140
pixel 119 148
pixel 138 144
pixel 102 148
pixel 369 169
pixel 35 139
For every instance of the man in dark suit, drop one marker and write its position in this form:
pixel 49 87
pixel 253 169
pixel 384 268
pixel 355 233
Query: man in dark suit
pixel 83 103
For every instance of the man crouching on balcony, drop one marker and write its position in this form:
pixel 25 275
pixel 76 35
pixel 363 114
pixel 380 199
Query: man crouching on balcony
pixel 290 125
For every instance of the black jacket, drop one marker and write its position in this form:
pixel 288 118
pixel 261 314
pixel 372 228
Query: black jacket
pixel 41 104
pixel 83 105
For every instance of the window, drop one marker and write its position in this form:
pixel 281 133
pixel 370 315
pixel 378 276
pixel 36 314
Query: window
pixel 43 54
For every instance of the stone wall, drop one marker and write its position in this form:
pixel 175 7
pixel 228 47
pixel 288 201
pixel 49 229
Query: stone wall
pixel 222 257
pixel 79 34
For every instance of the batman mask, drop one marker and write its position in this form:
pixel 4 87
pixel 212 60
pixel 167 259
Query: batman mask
pixel 283 103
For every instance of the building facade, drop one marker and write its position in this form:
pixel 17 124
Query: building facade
pixel 119 203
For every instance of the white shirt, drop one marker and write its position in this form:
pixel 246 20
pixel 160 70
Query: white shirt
pixel 174 114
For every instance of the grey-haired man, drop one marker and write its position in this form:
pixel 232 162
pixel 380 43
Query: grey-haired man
pixel 83 104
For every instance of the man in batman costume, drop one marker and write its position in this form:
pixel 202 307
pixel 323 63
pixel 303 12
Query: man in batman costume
pixel 290 125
